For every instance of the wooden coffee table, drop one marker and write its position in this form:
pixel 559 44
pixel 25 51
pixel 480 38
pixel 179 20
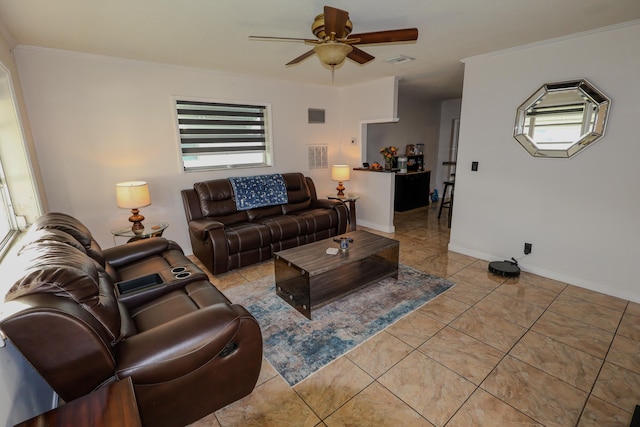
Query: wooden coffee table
pixel 307 277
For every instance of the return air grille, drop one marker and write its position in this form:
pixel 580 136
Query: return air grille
pixel 316 115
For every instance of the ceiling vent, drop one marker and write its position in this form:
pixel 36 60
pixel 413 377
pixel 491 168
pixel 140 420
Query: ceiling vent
pixel 400 59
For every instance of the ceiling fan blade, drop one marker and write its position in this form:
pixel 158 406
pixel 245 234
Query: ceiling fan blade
pixel 301 57
pixel 335 21
pixel 390 36
pixel 360 56
pixel 292 39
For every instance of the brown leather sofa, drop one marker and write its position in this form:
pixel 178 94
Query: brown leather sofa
pixel 225 238
pixel 85 317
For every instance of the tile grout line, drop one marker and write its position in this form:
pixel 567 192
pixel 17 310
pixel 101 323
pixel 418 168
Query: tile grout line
pixel 604 361
pixel 507 353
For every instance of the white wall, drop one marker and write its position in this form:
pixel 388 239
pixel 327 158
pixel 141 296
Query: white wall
pixel 418 123
pixel 581 214
pixel 98 120
pixel 369 102
pixel 361 104
pixel 374 208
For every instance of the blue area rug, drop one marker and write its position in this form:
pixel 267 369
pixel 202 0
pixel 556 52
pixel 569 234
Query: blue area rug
pixel 297 346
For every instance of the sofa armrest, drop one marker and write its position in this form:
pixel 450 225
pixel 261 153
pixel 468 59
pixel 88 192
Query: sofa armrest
pixel 179 347
pixel 128 253
pixel 209 243
pixel 200 227
pixel 61 340
pixel 325 203
pixel 339 207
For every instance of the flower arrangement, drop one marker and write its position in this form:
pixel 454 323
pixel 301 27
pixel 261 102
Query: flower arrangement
pixel 389 153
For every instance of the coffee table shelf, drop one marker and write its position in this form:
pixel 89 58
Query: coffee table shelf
pixel 308 278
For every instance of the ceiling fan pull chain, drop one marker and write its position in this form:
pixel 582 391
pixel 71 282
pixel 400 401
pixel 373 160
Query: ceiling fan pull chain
pixel 333 69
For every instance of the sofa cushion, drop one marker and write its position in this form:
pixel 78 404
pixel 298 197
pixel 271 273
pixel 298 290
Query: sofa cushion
pixel 318 219
pixel 62 270
pixel 204 294
pixel 72 226
pixel 290 208
pixel 256 213
pixel 297 192
pixel 175 304
pixel 216 201
pixel 284 227
pixel 245 236
pixel 36 236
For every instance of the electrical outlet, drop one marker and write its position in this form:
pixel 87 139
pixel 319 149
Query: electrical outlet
pixel 527 248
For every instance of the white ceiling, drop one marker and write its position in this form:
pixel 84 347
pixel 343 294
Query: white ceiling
pixel 213 34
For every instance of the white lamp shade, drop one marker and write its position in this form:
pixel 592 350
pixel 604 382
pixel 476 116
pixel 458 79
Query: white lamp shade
pixel 132 194
pixel 340 172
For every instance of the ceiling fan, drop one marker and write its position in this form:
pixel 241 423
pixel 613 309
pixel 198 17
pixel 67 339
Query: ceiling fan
pixel 336 43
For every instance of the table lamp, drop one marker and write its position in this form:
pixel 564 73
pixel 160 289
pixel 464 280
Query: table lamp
pixel 340 173
pixel 133 195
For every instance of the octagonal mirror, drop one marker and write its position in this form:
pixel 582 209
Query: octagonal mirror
pixel 561 119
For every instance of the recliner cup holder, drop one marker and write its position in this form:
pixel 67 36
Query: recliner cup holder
pixel 176 270
pixel 183 275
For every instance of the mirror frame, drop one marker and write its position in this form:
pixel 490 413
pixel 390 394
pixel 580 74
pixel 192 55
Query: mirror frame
pixel 600 102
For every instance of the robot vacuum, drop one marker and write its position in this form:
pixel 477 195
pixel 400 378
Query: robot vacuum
pixel 505 268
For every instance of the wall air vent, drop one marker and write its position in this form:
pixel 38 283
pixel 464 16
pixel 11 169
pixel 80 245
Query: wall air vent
pixel 317 156
pixel 316 115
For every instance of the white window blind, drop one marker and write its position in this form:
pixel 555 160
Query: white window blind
pixel 216 135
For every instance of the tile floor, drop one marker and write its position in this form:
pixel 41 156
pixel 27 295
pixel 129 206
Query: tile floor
pixel 489 352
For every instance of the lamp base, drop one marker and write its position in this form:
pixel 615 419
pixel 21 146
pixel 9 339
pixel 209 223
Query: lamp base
pixel 340 189
pixel 136 219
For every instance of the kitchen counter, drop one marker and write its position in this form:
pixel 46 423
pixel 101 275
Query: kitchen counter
pixel 396 171
pixel 411 188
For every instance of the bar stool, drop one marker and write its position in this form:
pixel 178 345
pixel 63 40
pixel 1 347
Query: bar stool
pixel 448 204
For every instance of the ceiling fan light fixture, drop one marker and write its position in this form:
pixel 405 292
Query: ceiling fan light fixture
pixel 332 53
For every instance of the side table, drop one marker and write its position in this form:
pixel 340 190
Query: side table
pixel 150 230
pixel 351 199
pixel 111 405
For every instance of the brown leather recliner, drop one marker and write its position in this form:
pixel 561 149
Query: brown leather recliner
pixel 79 319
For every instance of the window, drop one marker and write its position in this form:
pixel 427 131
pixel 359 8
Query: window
pixel 217 135
pixel 12 147
pixel 8 226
